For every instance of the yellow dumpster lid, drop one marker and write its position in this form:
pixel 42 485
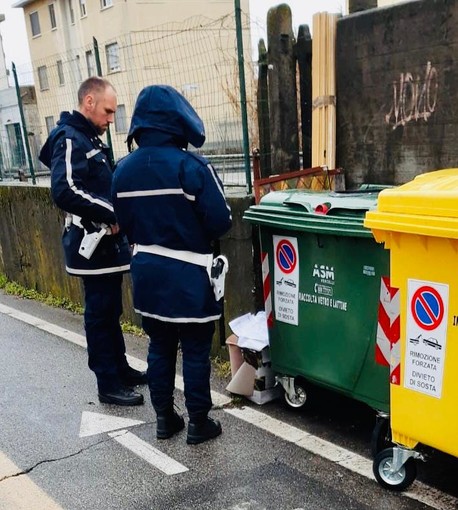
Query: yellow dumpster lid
pixel 427 205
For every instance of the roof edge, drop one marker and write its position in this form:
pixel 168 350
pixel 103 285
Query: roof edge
pixel 21 3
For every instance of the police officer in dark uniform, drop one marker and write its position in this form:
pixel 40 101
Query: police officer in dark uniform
pixel 81 177
pixel 171 205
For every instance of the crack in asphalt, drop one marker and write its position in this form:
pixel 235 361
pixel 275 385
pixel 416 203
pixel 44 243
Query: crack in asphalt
pixel 47 461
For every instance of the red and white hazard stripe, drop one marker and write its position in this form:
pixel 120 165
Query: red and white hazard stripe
pixel 267 288
pixel 387 349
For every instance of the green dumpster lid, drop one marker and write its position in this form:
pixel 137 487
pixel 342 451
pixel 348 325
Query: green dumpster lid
pixel 427 205
pixel 326 212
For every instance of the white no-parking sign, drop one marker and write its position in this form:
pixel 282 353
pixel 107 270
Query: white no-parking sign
pixel 286 279
pixel 427 309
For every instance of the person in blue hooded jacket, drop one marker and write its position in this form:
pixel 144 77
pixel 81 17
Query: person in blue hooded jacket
pixel 171 205
pixel 81 176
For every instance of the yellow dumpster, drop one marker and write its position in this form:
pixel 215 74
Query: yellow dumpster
pixel 418 222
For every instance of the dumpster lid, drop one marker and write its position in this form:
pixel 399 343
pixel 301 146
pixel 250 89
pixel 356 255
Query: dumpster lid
pixel 430 194
pixel 330 203
pixel 329 212
pixel 427 205
pixel 335 203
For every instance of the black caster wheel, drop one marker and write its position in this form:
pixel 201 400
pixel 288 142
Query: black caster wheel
pixel 299 399
pixel 381 436
pixel 397 481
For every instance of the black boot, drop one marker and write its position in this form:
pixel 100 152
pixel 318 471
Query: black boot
pixel 131 377
pixel 202 430
pixel 121 396
pixel 168 424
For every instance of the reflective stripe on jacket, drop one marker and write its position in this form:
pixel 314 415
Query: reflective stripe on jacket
pixel 81 178
pixel 169 197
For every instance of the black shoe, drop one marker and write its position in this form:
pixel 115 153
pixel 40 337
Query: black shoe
pixel 203 430
pixel 168 425
pixel 121 397
pixel 132 377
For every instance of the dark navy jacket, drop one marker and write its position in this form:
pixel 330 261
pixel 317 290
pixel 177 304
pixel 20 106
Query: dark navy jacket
pixel 81 177
pixel 167 197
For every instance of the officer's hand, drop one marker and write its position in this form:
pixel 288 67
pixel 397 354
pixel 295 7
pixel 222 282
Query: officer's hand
pixel 114 228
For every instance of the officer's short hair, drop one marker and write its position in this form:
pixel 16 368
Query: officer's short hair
pixel 92 84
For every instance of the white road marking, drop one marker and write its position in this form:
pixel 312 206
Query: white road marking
pixel 345 458
pixel 248 505
pixel 80 340
pixel 18 492
pixel 44 325
pixel 148 453
pixel 96 423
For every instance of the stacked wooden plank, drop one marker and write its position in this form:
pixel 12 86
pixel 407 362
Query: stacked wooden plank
pixel 324 90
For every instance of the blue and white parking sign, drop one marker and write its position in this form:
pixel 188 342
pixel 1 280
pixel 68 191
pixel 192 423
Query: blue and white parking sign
pixel 286 279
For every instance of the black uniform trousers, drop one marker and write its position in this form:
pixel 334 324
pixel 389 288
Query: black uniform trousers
pixel 195 340
pixel 105 341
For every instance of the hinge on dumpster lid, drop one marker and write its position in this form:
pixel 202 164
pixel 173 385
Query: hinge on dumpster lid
pixel 387 349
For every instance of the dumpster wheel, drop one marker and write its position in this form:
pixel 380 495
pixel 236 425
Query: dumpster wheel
pixel 381 436
pixel 298 399
pixel 397 480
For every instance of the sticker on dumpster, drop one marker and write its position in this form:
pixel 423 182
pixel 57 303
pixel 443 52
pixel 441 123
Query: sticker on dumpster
pixel 286 256
pixel 286 279
pixel 320 287
pixel 426 335
pixel 387 348
pixel 427 308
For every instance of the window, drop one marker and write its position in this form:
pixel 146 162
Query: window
pixel 71 12
pixel 43 78
pixel 83 11
pixel 35 23
pixel 60 72
pixel 52 16
pixel 79 76
pixel 90 63
pixel 49 123
pixel 112 52
pixel 105 3
pixel 13 132
pixel 189 90
pixel 120 120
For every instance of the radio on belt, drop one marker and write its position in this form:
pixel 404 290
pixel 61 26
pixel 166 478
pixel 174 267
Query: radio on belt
pixel 90 242
pixel 219 268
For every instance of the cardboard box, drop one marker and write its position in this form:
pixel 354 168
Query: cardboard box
pixel 252 375
pixel 262 397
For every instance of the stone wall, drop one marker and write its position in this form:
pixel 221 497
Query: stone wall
pixel 397 79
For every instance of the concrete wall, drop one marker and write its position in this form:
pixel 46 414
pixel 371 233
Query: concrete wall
pixel 30 248
pixel 31 252
pixel 396 91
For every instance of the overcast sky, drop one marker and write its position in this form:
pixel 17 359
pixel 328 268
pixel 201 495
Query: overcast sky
pixel 14 35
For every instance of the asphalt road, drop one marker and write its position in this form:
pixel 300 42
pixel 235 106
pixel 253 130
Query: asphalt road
pixel 61 449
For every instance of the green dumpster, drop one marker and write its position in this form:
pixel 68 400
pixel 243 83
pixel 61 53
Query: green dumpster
pixel 325 277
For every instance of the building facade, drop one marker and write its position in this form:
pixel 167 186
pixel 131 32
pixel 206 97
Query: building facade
pixel 188 44
pixel 13 152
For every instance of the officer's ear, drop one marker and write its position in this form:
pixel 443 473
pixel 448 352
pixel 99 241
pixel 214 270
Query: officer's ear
pixel 89 102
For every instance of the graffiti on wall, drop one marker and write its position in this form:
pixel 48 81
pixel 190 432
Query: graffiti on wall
pixel 413 97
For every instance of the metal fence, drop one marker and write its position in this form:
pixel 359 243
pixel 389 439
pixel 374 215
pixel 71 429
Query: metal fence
pixel 198 57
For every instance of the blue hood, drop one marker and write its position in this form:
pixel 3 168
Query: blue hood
pixel 162 108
